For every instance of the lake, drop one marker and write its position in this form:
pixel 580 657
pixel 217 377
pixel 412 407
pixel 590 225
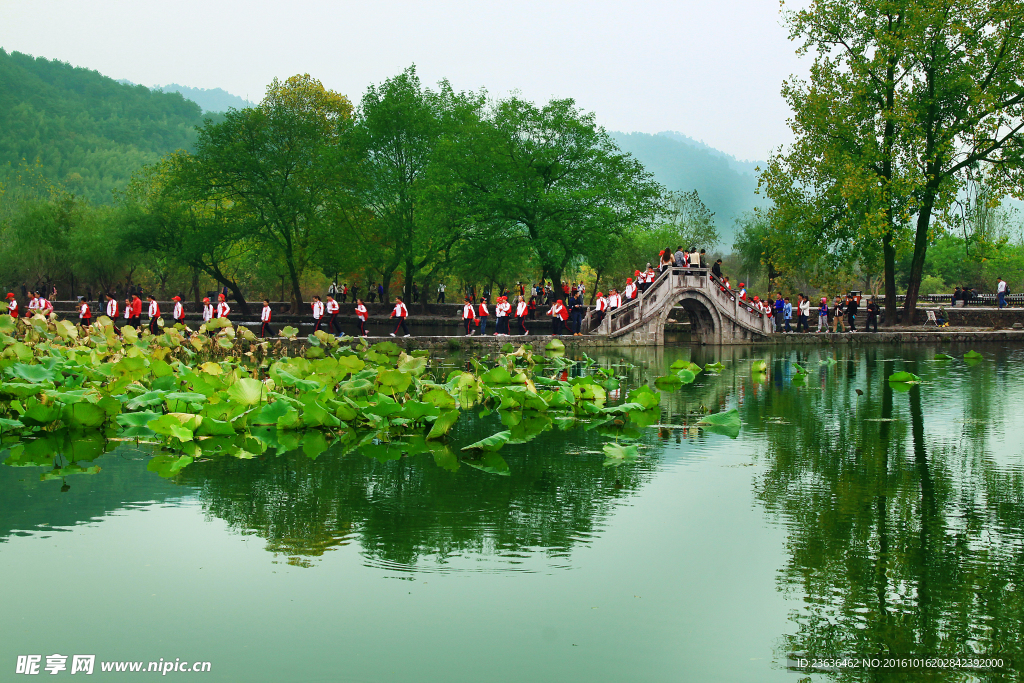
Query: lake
pixel 851 517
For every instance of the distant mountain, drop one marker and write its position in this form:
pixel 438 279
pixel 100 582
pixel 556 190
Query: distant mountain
pixel 83 129
pixel 214 99
pixel 726 185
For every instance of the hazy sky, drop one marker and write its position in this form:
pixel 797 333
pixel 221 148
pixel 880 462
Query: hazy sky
pixel 710 70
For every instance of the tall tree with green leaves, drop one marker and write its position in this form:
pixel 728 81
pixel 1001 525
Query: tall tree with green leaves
pixel 552 173
pixel 903 96
pixel 279 168
pixel 400 138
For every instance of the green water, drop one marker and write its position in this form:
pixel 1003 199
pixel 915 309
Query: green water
pixel 837 523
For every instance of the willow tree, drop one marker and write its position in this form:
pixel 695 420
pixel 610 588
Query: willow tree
pixel 280 167
pixel 903 96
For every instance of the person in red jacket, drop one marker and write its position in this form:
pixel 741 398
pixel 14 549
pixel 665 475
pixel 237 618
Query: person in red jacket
pixel 179 311
pixel 481 315
pixel 468 316
pixel 559 315
pixel 362 316
pixel 154 314
pixel 136 317
pixel 521 310
pixel 223 310
pixel 12 305
pixel 400 313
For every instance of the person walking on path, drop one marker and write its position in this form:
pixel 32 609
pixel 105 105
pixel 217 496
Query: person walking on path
pixel 558 317
pixel 400 313
pixel 332 310
pixel 207 310
pixel 500 317
pixel 84 314
pixel 805 314
pixel 482 313
pixel 179 311
pixel 12 305
pixel 318 312
pixel 136 318
pixel 265 319
pixel 851 310
pixel 1001 290
pixel 838 313
pixel 787 313
pixel 823 315
pixel 361 315
pixel 440 293
pixel 873 311
pixel 154 314
pixel 521 310
pixel 333 289
pixel 223 310
pixel 468 316
pixel 779 305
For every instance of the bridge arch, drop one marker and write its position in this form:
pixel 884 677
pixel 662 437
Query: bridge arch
pixel 706 322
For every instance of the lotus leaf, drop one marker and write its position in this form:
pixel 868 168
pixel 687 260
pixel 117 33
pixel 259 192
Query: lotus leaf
pixel 904 376
pixel 443 424
pixel 617 454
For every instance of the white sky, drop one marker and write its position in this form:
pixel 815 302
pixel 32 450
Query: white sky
pixel 710 70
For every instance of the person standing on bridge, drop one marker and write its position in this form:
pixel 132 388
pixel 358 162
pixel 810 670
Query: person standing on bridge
pixel 679 258
pixel 630 291
pixel 666 260
pixel 614 300
pixel 602 306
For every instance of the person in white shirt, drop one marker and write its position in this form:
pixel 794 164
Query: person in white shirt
pixel 362 316
pixel 111 308
pixel 332 310
pixel 33 304
pixel 601 307
pixel 440 293
pixel 154 314
pixel 468 316
pixel 630 289
pixel 400 313
pixel 318 312
pixel 84 313
pixel 265 319
pixel 1001 289
pixel 614 300
pixel 521 310
pixel 207 310
pixel 179 311
pixel 223 310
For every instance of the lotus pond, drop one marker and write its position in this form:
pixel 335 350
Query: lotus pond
pixel 643 515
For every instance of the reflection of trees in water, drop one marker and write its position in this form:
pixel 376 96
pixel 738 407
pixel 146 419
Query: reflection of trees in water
pixel 902 543
pixel 405 511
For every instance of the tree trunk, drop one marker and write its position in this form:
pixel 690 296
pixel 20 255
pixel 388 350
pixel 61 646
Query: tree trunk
pixel 889 256
pixel 593 294
pixel 924 217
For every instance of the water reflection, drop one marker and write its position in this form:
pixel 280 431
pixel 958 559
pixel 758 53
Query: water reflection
pixel 904 528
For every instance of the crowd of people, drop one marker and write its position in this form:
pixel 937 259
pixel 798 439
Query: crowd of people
pixel 838 316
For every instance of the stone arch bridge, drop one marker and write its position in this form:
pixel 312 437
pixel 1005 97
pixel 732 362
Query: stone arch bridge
pixel 717 316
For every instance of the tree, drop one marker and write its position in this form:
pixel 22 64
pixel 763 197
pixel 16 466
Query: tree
pixel 276 170
pixel 691 222
pixel 902 97
pixel 403 134
pixel 553 174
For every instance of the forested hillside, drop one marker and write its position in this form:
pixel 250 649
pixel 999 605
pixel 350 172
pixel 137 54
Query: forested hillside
pixel 685 166
pixel 85 130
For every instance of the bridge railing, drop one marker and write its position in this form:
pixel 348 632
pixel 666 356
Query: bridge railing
pixel 633 310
